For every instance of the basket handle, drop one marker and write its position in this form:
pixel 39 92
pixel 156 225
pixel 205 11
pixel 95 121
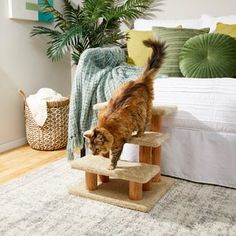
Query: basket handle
pixel 22 94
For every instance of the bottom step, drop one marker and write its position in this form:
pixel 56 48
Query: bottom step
pixel 116 191
pixel 131 171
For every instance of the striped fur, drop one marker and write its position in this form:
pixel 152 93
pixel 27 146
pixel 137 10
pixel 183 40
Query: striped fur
pixel 129 109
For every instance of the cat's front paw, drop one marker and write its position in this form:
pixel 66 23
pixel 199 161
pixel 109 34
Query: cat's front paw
pixel 111 167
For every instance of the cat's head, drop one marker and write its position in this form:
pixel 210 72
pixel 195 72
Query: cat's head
pixel 100 140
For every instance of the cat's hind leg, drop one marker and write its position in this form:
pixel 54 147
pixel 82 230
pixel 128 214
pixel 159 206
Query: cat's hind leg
pixel 140 121
pixel 140 129
pixel 149 115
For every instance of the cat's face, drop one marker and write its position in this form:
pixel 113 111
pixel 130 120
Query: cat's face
pixel 100 140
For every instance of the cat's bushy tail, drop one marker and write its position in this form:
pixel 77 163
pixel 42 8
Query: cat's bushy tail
pixel 155 60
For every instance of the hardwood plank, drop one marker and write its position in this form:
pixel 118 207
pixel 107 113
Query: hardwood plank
pixel 22 160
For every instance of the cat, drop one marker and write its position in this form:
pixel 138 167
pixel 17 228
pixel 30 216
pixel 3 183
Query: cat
pixel 128 110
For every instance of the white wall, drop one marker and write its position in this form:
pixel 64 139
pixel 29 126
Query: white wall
pixel 23 64
pixel 185 9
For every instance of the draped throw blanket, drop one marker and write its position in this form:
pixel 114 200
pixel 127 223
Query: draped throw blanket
pixel 99 72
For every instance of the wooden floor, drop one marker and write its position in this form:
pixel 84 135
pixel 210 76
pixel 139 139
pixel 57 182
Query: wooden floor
pixel 23 160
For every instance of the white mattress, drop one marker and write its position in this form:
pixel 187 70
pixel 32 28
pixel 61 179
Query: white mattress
pixel 202 144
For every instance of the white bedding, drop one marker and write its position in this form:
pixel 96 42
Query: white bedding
pixel 208 104
pixel 202 144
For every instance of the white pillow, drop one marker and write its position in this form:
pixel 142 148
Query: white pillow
pixel 210 21
pixel 146 25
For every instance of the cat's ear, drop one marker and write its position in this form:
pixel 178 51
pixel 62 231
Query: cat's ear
pixel 88 134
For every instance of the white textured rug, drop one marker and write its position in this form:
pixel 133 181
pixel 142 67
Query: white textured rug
pixel 39 204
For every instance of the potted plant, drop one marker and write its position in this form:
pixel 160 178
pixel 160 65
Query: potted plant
pixel 93 24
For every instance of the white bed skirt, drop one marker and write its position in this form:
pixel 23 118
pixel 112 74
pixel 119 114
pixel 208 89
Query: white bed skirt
pixel 202 143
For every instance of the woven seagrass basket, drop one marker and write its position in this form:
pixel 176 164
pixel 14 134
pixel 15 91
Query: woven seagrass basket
pixel 53 134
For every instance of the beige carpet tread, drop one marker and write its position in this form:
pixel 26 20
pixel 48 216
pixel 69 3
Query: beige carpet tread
pixel 149 139
pixel 131 171
pixel 157 110
pixel 116 191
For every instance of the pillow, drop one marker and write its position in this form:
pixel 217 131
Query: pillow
pixel 144 25
pixel 138 53
pixel 209 56
pixel 175 39
pixel 226 29
pixel 210 21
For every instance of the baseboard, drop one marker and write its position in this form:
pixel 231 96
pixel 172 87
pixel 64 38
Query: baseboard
pixel 10 145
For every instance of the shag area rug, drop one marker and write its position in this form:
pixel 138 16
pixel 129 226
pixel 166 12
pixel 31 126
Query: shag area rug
pixel 39 204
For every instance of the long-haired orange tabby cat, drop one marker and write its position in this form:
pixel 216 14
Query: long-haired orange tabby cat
pixel 129 109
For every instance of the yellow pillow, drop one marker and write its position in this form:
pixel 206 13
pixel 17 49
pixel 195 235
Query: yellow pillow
pixel 137 52
pixel 226 29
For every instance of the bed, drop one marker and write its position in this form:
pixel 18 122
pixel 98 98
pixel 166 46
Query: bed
pixel 202 143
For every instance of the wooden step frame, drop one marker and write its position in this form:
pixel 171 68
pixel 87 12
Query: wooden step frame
pixel 148 154
pixel 158 112
pixel 138 174
pixel 115 193
pixel 130 171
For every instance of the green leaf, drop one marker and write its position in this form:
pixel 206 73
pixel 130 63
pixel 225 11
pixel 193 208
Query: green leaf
pixel 62 42
pixel 95 24
pixel 71 14
pixel 43 30
pixel 130 9
pixel 93 10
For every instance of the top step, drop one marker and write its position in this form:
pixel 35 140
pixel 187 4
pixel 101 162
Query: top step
pixel 149 139
pixel 131 171
pixel 156 110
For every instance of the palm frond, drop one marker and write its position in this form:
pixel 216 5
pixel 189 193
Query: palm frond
pixel 46 8
pixel 153 9
pixel 93 10
pixel 71 14
pixel 132 9
pixel 62 42
pixel 43 30
pixel 106 33
pixel 95 24
pixel 75 55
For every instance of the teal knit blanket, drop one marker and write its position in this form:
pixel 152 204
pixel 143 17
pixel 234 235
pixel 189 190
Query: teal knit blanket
pixel 99 72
